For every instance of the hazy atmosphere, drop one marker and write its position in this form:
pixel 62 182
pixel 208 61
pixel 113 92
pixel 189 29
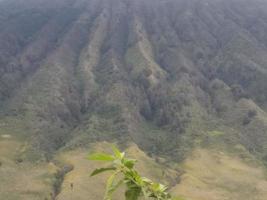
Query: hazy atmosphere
pixel 179 85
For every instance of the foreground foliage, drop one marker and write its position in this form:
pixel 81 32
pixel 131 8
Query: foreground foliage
pixel 124 174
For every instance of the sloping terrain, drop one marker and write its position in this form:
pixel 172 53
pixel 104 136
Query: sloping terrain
pixel 216 175
pixel 169 76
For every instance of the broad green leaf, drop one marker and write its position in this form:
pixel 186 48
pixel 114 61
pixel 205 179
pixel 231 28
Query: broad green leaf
pixel 146 180
pixel 100 170
pixel 114 187
pixel 117 152
pixel 145 192
pixel 138 179
pixel 129 163
pixel 162 188
pixel 133 194
pixel 101 157
pixel 130 174
pixel 108 193
pixel 159 187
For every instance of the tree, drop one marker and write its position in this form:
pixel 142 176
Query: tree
pixel 136 186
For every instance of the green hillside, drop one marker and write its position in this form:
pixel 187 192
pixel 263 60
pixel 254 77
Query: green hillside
pixel 180 84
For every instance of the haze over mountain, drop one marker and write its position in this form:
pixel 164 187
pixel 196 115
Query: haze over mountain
pixel 169 79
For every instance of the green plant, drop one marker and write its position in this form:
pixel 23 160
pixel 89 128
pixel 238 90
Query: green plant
pixel 124 174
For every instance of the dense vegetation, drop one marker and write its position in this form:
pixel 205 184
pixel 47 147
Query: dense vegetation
pixel 151 71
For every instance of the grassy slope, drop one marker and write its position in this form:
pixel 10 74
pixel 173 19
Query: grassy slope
pixel 211 174
pixel 208 173
pixel 216 175
pixel 22 180
pixel 86 187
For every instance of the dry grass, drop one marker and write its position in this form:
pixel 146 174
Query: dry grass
pixel 85 187
pixel 209 175
pixel 217 176
pixel 22 180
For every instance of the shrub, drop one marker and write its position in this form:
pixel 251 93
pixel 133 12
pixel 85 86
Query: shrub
pixel 136 186
pixel 252 113
pixel 249 117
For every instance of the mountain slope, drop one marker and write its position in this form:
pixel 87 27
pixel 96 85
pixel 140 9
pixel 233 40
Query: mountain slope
pixel 170 76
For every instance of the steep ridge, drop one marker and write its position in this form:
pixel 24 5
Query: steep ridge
pixel 151 64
